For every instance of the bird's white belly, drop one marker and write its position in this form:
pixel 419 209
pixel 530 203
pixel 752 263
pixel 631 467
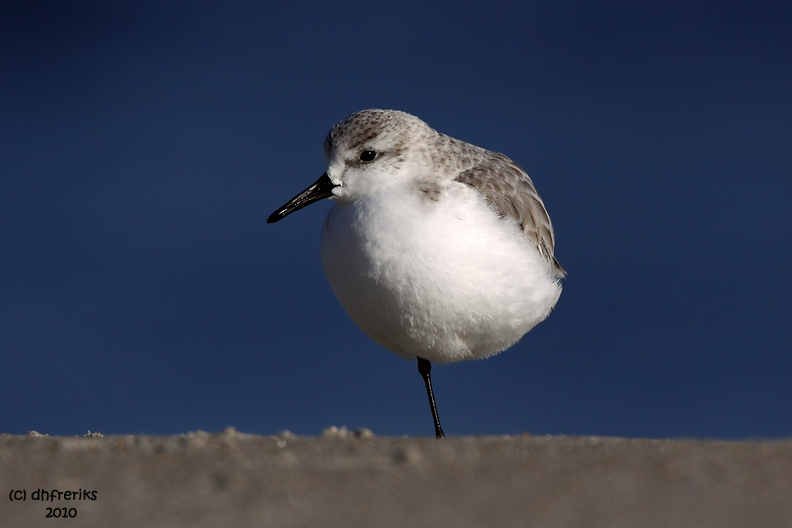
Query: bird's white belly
pixel 445 280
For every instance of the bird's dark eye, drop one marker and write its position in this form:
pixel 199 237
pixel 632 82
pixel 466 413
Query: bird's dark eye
pixel 367 155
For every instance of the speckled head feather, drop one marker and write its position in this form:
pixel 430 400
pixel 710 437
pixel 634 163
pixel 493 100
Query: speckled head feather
pixel 358 130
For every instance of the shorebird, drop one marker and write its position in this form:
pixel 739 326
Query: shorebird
pixel 439 250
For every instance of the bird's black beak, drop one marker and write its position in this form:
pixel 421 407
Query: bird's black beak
pixel 321 189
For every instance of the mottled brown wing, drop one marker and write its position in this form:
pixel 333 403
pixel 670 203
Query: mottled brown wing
pixel 510 192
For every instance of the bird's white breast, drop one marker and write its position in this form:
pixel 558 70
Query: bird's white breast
pixel 439 276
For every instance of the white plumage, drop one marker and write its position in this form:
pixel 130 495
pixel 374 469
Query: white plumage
pixel 445 280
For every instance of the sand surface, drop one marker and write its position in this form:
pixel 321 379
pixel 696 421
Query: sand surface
pixel 348 480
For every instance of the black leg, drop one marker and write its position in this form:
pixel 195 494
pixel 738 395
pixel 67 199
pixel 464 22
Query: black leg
pixel 424 367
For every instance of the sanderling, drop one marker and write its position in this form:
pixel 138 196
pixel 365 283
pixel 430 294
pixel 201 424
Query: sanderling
pixel 438 250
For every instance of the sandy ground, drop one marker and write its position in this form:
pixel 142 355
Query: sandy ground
pixel 344 479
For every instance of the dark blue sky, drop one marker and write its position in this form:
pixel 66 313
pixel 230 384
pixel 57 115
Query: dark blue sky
pixel 144 144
